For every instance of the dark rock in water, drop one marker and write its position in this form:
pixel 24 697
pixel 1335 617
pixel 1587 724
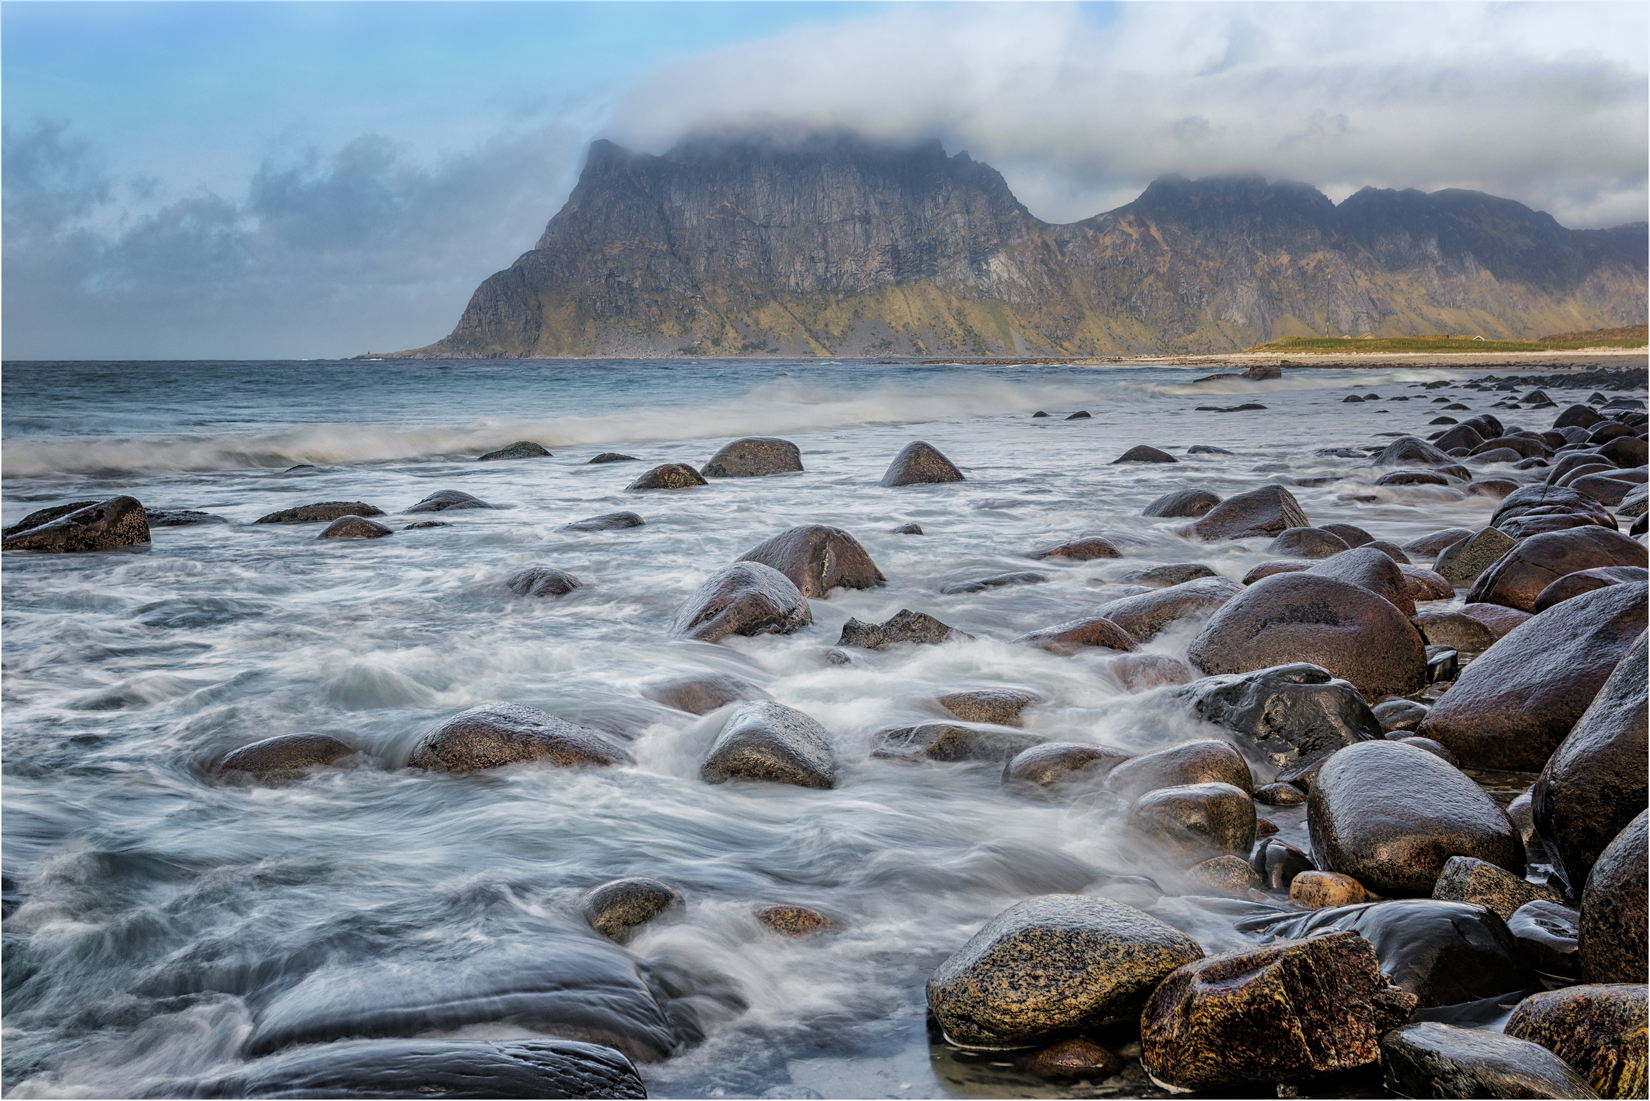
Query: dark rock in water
pixel 1491 487
pixel 1429 546
pixel 117 522
pixel 818 559
pixel 1276 1012
pixel 702 693
pixel 1182 502
pixel 746 598
pixel 952 742
pixel 1438 1060
pixel 1409 451
pixel 1424 584
pixel 1001 706
pixel 1051 965
pixel 1138 672
pixel 1267 569
pixel 794 921
pixel 1223 875
pixel 1391 816
pixel 1517 579
pixel 617 909
pixel 521 449
pixel 1371 569
pixel 1264 511
pixel 1429 746
pixel 1598 1029
pixel 1512 707
pixel 44 516
pixel 1144 454
pixel 904 626
pixel 1206 449
pixel 1280 795
pixel 542 581
pixel 1463 563
pixel 1613 932
pixel 920 464
pixel 1079 550
pixel 906 529
pixel 1626 451
pixel 1141 617
pixel 1545 501
pixel 425 1068
pixel 1039 413
pixel 669 476
pixel 323 512
pixel 1180 765
pixel 1456 629
pixel 1292 715
pixel 995 581
pixel 769 741
pixel 1068 638
pixel 1548 933
pixel 1349 534
pixel 1399 714
pixel 1596 781
pixel 754 457
pixel 1412 478
pixel 1462 435
pixel 1080 415
pixel 1302 617
pixel 1585 581
pixel 1352 398
pixel 1468 879
pixel 496 734
pixel 283 757
pixel 445 499
pixel 1162 577
pixel 608 521
pixel 612 457
pixel 180 517
pixel 422 524
pixel 1073 1059
pixel 1051 764
pixel 1195 821
pixel 1306 543
pixel 1443 420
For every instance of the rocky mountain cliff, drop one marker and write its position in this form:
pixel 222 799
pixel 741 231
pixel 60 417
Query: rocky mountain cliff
pixel 833 245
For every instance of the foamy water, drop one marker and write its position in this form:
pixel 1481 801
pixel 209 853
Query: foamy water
pixel 170 925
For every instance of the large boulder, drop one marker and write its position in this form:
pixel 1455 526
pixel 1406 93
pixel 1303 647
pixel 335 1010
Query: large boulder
pixel 47 515
pixel 754 457
pixel 1183 502
pixel 1391 815
pixel 1460 435
pixel 1517 579
pixel 818 559
pixel 1053 965
pixel 1468 879
pixel 1597 1028
pixel 1461 563
pixel 1596 781
pixel 1264 511
pixel 1078 550
pixel 1372 569
pixel 1143 615
pixel 1069 638
pixel 669 476
pixel 283 757
pixel 1524 511
pixel 1585 581
pixel 1291 716
pixel 1512 707
pixel 1430 1059
pixel 1194 822
pixel 1410 451
pixel 1613 929
pixel 447 500
pixel 746 598
pixel 117 522
pixel 322 512
pixel 496 734
pixel 1276 1012
pixel 1302 617
pixel 1579 416
pixel 1052 764
pixel 1306 543
pixel 769 741
pixel 1187 763
pixel 920 464
pixel 701 693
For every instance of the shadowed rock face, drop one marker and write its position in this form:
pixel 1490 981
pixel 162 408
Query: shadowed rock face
pixel 542 581
pixel 1519 577
pixel 1439 1060
pixel 443 500
pixel 117 522
pixel 1291 715
pixel 521 449
pixel 1268 510
pixel 1182 502
pixel 669 476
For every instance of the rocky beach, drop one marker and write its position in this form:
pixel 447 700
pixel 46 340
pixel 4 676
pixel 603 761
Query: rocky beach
pixel 826 728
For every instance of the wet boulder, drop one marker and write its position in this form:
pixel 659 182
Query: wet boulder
pixel 1276 1012
pixel 1001 706
pixel 1578 416
pixel 496 734
pixel 1052 965
pixel 1461 435
pixel 1585 581
pixel 1439 1060
pixel 1596 781
pixel 1179 765
pixel 446 500
pixel 521 449
pixel 1144 615
pixel 1454 629
pixel 1626 451
pixel 1613 934
pixel 994 581
pixel 1428 546
pixel 1183 502
pixel 1315 890
pixel 1513 706
pixel 117 522
pixel 1079 550
pixel 904 626
pixel 1350 534
pixel 322 512
pixel 1541 502
pixel 1597 1028
pixel 1419 477
pixel 746 598
pixel 47 515
pixel 1268 511
pixel 952 742
pixel 180 517
pixel 1144 454
pixel 1161 577
pixel 1290 715
pixel 1463 562
pixel 1399 714
pixel 1373 570
pixel 1425 585
pixel 1604 489
pixel 617 909
pixel 1391 815
pixel 1518 577
pixel 794 921
pixel 754 457
pixel 772 742
pixel 1303 617
pixel 920 464
pixel 701 693
pixel 818 559
pixel 1073 1059
pixel 1548 934
pixel 1468 879
pixel 542 581
pixel 1267 569
pixel 612 457
pixel 1410 451
pixel 1068 638
pixel 608 521
pixel 1138 672
pixel 1306 543
pixel 1195 821
pixel 283 757
pixel 1052 764
pixel 355 527
pixel 668 476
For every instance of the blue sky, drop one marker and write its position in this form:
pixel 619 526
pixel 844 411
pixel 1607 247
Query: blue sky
pixel 319 179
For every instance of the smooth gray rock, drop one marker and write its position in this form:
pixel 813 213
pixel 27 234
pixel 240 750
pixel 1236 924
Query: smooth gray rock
pixel 668 476
pixel 608 521
pixel 818 559
pixel 769 741
pixel 496 734
pixel 444 500
pixel 754 457
pixel 542 581
pixel 920 464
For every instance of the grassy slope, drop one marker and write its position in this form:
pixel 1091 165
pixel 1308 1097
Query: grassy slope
pixel 1631 336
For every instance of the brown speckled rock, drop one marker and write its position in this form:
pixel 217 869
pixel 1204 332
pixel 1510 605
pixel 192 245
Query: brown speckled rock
pixel 1144 615
pixel 1369 568
pixel 1322 890
pixel 1599 1029
pixel 1052 964
pixel 1468 879
pixel 1068 638
pixel 1518 577
pixel 355 527
pixel 1079 550
pixel 1223 875
pixel 1306 543
pixel 1001 706
pixel 1198 762
pixel 920 464
pixel 1612 940
pixel 283 757
pixel 669 476
pixel 1280 1011
pixel 754 457
pixel 1264 511
pixel 1054 763
pixel 1073 1059
pixel 746 598
pixel 617 909
pixel 904 626
pixel 117 522
pixel 769 741
pixel 952 742
pixel 1195 822
pixel 1183 502
pixel 794 921
pixel 818 559
pixel 496 734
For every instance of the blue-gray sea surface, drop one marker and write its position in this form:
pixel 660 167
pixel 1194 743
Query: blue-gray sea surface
pixel 167 925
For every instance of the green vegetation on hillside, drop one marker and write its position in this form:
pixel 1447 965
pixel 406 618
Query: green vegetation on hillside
pixel 1632 336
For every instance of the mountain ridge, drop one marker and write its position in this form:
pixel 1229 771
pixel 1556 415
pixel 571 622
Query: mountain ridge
pixel 836 245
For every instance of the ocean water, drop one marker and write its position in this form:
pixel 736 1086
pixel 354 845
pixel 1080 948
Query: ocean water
pixel 167 925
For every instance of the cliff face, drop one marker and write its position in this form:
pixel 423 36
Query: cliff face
pixel 834 245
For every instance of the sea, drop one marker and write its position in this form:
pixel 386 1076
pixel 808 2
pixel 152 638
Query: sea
pixel 163 925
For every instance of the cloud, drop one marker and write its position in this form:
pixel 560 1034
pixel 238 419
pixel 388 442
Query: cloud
pixel 328 254
pixel 1542 103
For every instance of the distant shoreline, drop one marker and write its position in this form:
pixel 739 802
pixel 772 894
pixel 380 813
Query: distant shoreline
pixel 1622 358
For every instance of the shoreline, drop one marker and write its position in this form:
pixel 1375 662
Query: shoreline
pixel 1463 361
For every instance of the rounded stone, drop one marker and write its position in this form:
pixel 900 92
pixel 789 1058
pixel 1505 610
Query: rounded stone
pixel 669 476
pixel 754 457
pixel 355 527
pixel 1599 1029
pixel 444 500
pixel 1280 795
pixel 1425 585
pixel 608 521
pixel 617 909
pixel 1079 550
pixel 769 741
pixel 521 449
pixel 1068 638
pixel 818 559
pixel 920 464
pixel 1468 879
pixel 1410 451
pixel 1138 672
pixel 701 693
pixel 1613 933
pixel 1399 714
pixel 1183 502
pixel 1188 763
pixel 1585 581
pixel 1439 1060
pixel 497 734
pixel 1417 477
pixel 1428 546
pixel 1162 577
pixel 746 598
pixel 1052 764
pixel 794 921
pixel 1073 1059
pixel 1001 706
pixel 1142 453
pixel 1370 569
pixel 1196 821
pixel 1518 578
pixel 1141 617
pixel 1351 535
pixel 1223 875
pixel 282 757
pixel 1306 543
pixel 1269 569
pixel 1268 511
pixel 951 742
pixel 542 581
pixel 1316 890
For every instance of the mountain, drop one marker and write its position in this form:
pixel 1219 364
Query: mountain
pixel 835 245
